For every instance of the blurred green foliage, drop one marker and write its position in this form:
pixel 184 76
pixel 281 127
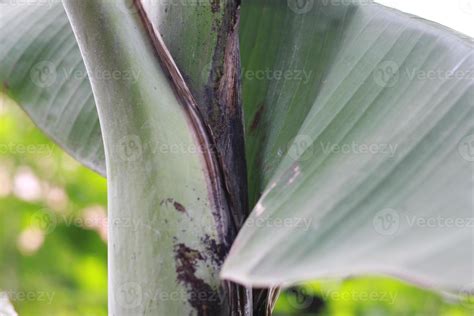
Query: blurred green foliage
pixel 53 251
pixel 369 296
pixel 53 257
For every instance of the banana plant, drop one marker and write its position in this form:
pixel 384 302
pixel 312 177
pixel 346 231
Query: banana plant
pixel 252 146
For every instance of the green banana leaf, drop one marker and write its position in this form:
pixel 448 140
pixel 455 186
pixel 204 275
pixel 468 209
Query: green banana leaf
pixel 41 69
pixel 366 164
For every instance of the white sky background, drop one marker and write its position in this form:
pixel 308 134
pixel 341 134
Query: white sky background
pixel 456 14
